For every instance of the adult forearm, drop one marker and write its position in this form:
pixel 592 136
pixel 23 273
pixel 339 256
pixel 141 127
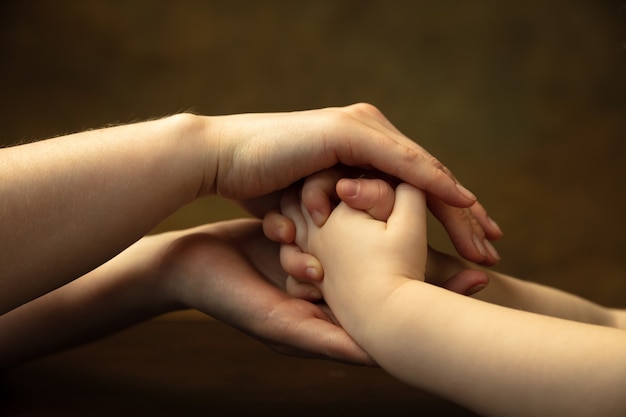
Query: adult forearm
pixel 534 297
pixel 70 203
pixel 123 292
pixel 619 318
pixel 522 294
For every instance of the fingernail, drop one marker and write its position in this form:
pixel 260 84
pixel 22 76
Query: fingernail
pixel 350 187
pixel 281 233
pixel 311 273
pixel 476 288
pixel 315 295
pixel 492 251
pixel 478 242
pixel 466 193
pixel 495 225
pixel 318 218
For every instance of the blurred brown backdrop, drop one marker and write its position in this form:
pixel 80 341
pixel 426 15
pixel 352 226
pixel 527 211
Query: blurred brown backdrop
pixel 524 101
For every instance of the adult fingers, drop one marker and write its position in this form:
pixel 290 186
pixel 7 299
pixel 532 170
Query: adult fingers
pixel 470 229
pixel 467 282
pixel 465 231
pixel 393 153
pixel 319 337
pixel 488 225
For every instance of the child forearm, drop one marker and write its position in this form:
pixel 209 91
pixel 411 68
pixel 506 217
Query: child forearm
pixel 491 359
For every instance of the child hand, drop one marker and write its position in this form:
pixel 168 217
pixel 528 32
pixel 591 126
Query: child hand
pixel 376 197
pixel 377 256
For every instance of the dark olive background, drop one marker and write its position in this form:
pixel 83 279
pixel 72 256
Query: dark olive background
pixel 524 101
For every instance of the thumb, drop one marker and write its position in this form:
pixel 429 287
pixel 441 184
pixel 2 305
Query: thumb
pixel 408 217
pixel 374 196
pixel 467 282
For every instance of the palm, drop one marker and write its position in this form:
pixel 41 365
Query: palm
pixel 233 274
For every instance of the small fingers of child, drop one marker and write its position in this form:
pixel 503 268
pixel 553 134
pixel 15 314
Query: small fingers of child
pixel 302 290
pixel 279 228
pixel 290 207
pixel 374 196
pixel 301 265
pixel 409 211
pixel 318 195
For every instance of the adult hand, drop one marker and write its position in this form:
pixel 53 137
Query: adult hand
pixel 231 272
pixel 257 155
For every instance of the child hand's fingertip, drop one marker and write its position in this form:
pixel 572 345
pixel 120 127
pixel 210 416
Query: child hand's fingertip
pixel 318 218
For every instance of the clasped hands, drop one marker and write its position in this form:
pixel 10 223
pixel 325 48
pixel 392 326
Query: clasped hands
pixel 254 276
pixel 250 289
pixel 228 270
pixel 375 197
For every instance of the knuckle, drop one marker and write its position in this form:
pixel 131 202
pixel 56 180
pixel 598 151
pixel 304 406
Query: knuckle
pixel 433 177
pixel 475 224
pixel 365 108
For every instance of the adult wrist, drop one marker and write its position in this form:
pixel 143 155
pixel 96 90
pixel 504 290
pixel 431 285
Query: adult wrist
pixel 191 142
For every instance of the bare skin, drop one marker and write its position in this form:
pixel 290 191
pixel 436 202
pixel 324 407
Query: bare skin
pixel 228 270
pixel 513 349
pixel 375 196
pixel 71 203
